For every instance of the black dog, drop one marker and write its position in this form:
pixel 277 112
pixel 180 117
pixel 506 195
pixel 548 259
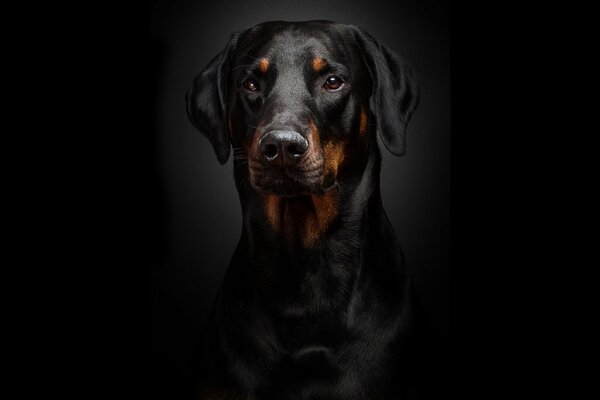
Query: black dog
pixel 316 303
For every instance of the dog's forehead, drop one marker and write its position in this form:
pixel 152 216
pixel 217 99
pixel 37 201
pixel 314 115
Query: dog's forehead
pixel 293 47
pixel 293 42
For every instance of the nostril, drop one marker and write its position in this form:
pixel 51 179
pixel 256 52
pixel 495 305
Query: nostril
pixel 295 150
pixel 270 150
pixel 296 147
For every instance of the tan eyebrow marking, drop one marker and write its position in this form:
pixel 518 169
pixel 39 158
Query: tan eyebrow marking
pixel 263 65
pixel 318 64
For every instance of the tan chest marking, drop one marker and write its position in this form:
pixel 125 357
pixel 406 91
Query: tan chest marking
pixel 305 219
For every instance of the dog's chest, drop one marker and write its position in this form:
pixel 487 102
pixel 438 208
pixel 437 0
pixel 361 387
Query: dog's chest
pixel 311 346
pixel 295 334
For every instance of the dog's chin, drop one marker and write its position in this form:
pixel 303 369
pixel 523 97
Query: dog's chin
pixel 285 187
pixel 290 187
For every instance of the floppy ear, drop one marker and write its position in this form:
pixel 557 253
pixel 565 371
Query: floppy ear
pixel 207 101
pixel 395 93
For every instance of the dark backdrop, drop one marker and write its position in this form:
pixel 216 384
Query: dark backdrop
pixel 190 207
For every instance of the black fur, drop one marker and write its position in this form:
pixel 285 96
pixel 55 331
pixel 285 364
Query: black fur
pixel 395 93
pixel 206 101
pixel 333 319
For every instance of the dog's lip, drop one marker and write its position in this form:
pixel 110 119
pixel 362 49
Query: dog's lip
pixel 292 188
pixel 292 182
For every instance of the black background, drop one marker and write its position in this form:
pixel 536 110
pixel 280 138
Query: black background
pixel 196 216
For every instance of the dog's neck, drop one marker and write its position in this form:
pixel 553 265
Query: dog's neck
pixel 290 242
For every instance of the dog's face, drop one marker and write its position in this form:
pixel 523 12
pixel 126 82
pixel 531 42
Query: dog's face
pixel 298 106
pixel 297 102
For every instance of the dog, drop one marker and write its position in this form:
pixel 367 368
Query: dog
pixel 316 302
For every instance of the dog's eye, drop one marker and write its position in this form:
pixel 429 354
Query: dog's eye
pixel 251 85
pixel 333 83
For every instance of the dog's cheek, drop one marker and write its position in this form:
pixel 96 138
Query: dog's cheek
pixel 334 153
pixel 341 150
pixel 314 154
pixel 252 155
pixel 362 130
pixel 234 123
pixel 252 146
pixel 356 120
pixel 237 140
pixel 240 133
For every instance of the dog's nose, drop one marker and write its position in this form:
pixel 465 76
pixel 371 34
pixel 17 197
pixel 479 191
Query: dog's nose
pixel 289 145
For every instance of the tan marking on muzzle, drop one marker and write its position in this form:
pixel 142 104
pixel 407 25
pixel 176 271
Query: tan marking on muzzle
pixel 333 152
pixel 315 135
pixel 303 219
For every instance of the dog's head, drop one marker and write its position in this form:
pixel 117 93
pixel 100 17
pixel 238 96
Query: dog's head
pixel 298 101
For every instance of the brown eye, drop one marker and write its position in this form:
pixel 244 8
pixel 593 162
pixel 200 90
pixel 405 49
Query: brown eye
pixel 333 83
pixel 251 85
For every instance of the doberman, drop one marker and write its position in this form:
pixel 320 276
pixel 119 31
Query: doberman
pixel 316 303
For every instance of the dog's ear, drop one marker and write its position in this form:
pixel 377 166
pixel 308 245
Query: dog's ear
pixel 395 93
pixel 207 101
